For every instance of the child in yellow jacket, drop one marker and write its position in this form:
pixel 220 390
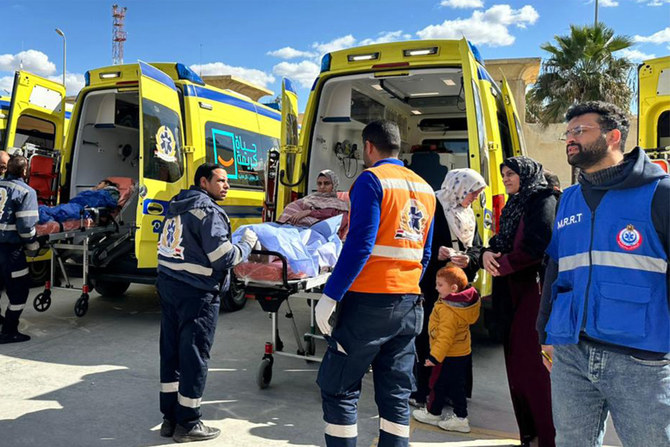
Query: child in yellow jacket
pixel 450 347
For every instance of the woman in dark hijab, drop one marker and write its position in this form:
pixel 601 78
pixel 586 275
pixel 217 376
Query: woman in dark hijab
pixel 514 258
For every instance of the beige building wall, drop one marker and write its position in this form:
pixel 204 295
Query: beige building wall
pixel 542 143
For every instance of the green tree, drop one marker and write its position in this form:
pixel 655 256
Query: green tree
pixel 581 67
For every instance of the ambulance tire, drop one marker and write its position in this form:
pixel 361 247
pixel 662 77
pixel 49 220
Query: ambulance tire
pixel 42 301
pixel 233 299
pixel 39 273
pixel 264 375
pixel 81 306
pixel 110 288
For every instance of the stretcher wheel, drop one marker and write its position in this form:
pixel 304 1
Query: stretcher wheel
pixel 81 306
pixel 42 301
pixel 264 375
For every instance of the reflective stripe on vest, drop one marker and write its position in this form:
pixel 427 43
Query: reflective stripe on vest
pixel 407 209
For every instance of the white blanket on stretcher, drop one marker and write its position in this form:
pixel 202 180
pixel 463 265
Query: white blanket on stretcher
pixel 307 249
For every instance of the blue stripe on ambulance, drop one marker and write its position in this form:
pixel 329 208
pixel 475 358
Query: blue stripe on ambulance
pixel 157 75
pixel 202 92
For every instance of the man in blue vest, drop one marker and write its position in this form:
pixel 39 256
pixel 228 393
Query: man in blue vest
pixel 18 216
pixel 604 322
pixel 195 256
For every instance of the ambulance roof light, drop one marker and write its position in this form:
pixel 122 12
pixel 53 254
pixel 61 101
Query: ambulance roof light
pixel 111 75
pixel 183 72
pixel 363 57
pixel 87 78
pixel 420 52
pixel 475 53
pixel 325 62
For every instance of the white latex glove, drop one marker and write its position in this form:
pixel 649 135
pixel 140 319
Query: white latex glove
pixel 323 310
pixel 249 237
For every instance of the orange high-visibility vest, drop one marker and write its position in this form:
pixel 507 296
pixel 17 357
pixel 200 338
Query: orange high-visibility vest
pixel 407 210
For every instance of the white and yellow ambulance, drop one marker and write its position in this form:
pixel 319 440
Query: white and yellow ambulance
pixel 451 114
pixel 654 110
pixel 155 123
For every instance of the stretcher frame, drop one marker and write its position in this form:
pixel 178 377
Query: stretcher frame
pixel 271 295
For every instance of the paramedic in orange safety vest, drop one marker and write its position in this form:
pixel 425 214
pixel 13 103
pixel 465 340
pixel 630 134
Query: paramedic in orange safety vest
pixel 376 282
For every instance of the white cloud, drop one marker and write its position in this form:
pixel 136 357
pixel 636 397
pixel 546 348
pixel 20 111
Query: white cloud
pixel 33 61
pixel 340 43
pixel 290 53
pixel 608 3
pixel 73 82
pixel 462 3
pixel 634 55
pixel 303 72
pixel 387 36
pixel 660 37
pixel 6 84
pixel 654 2
pixel 253 75
pixel 490 27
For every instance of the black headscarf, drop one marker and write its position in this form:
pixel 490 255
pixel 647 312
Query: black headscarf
pixel 532 182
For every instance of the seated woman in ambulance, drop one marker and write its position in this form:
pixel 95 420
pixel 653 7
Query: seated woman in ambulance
pixel 104 195
pixel 319 205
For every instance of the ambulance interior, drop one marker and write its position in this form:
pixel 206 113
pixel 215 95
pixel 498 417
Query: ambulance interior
pixel 428 105
pixel 107 142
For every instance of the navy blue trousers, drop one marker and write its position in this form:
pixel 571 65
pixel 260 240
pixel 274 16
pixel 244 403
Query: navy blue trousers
pixel 377 330
pixel 15 281
pixel 188 322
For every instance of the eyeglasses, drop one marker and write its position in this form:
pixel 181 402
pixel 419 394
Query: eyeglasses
pixel 577 131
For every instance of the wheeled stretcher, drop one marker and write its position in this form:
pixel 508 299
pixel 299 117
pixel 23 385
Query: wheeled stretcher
pixel 96 241
pixel 271 295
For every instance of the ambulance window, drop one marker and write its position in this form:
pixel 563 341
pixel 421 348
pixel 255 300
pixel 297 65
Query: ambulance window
pixel 163 157
pixel 663 130
pixel 242 153
pixel 481 134
pixel 35 131
pixel 505 132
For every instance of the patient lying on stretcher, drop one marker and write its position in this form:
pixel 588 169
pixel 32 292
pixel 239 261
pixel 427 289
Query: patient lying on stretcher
pixel 308 234
pixel 104 195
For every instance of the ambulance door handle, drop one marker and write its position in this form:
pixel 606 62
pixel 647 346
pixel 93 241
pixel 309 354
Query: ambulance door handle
pixel 282 173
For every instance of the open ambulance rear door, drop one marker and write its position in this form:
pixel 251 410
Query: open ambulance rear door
pixel 654 110
pixel 36 113
pixel 290 175
pixel 162 166
pixel 513 118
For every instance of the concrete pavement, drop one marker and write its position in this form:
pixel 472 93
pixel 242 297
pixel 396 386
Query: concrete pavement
pixel 93 381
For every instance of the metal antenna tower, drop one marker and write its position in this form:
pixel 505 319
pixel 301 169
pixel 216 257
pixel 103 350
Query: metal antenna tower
pixel 118 33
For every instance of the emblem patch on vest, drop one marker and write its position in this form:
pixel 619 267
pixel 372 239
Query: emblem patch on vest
pixel 169 244
pixel 413 218
pixel 629 238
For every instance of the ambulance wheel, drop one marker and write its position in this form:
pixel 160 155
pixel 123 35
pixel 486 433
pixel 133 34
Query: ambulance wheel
pixel 234 298
pixel 110 288
pixel 38 272
pixel 81 306
pixel 42 301
pixel 264 375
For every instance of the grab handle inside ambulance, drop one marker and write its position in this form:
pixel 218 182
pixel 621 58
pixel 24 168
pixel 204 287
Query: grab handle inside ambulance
pixel 288 183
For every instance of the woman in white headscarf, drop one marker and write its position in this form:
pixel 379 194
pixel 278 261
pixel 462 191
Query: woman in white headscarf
pixel 318 205
pixel 455 240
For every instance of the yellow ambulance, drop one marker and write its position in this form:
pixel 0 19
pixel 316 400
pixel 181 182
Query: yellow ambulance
pixel 654 110
pixel 451 114
pixel 155 123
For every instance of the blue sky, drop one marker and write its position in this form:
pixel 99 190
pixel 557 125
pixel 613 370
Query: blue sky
pixel 264 40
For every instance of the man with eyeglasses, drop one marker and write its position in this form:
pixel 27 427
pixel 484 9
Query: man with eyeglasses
pixel 604 322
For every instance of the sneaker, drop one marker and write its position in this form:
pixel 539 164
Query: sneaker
pixel 167 428
pixel 416 404
pixel 199 432
pixel 16 337
pixel 423 415
pixel 454 423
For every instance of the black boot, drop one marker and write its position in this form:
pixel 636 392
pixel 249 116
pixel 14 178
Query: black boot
pixel 167 428
pixel 15 337
pixel 200 432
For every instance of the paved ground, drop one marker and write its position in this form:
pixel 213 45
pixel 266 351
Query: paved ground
pixel 93 381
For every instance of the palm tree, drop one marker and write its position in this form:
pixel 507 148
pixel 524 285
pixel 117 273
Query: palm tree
pixel 581 67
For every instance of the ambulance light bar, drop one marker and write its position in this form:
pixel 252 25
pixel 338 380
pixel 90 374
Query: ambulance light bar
pixel 420 52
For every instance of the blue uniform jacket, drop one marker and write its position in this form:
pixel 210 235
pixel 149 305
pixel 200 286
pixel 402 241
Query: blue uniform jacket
pixel 18 213
pixel 194 246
